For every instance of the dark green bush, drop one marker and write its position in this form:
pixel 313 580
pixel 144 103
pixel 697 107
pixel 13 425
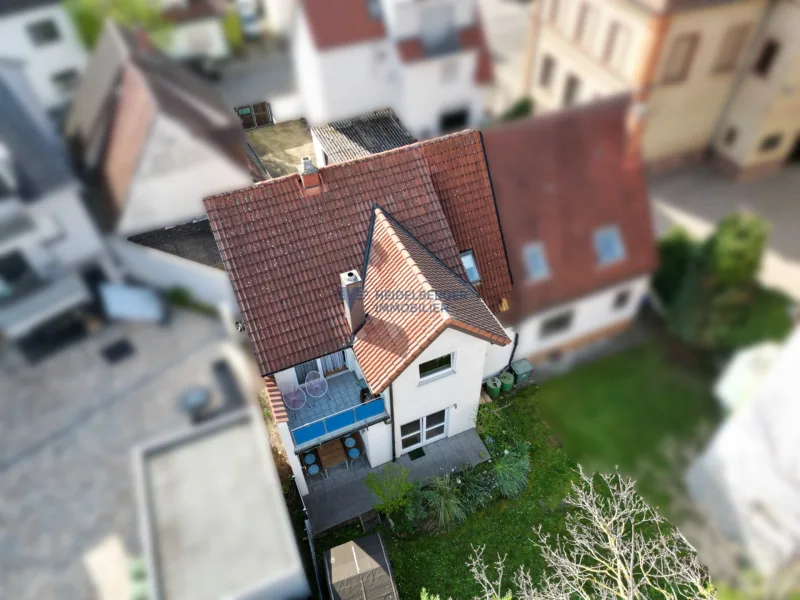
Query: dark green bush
pixel 521 108
pixel 511 471
pixel 675 252
pixel 477 488
pixel 445 507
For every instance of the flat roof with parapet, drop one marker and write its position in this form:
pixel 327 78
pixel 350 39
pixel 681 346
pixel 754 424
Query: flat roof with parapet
pixel 214 522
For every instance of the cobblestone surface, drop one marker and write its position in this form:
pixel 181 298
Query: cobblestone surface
pixel 67 427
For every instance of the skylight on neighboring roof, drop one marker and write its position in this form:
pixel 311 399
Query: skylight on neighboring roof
pixel 536 263
pixel 608 245
pixel 470 266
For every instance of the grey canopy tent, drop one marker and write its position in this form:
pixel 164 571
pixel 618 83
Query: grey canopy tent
pixel 360 570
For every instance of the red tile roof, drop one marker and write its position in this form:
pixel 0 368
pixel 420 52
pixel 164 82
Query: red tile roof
pixel 557 178
pixel 284 250
pixel 398 330
pixel 275 400
pixel 133 117
pixel 340 22
pixel 411 50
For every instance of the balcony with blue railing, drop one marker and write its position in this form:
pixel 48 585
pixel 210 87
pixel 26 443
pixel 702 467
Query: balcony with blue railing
pixel 337 413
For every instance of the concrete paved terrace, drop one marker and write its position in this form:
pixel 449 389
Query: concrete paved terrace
pixel 68 523
pixel 344 495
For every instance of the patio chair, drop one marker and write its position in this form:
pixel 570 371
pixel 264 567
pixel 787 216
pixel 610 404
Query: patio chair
pixel 294 398
pixel 316 384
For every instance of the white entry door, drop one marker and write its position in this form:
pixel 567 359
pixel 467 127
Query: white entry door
pixel 422 431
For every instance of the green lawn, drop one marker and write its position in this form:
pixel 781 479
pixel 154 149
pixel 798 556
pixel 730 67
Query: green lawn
pixel 610 412
pixel 622 409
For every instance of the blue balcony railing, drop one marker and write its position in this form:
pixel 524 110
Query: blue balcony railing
pixel 339 423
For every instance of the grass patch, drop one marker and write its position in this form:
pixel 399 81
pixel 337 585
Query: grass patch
pixel 621 409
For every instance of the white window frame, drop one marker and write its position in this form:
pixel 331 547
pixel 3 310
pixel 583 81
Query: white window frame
pixel 423 431
pixel 423 379
pixel 603 231
pixel 533 247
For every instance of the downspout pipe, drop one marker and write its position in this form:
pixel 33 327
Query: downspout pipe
pixel 391 408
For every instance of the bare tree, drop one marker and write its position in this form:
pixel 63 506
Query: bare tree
pixel 615 547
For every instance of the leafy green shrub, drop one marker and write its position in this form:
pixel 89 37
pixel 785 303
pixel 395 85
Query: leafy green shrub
pixel 182 298
pixel 521 108
pixel 392 488
pixel 511 471
pixel 477 489
pixel 443 499
pixel 495 429
pixel 675 252
pixel 415 513
pixel 734 252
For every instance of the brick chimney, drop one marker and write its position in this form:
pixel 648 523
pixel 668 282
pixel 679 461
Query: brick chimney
pixel 353 297
pixel 635 123
pixel 309 174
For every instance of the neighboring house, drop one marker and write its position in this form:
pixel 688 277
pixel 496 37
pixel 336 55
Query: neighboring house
pixel 719 75
pixel 51 254
pixel 746 480
pixel 573 204
pixel 428 61
pixel 197 35
pixel 214 523
pixel 349 139
pixel 408 225
pixel 40 34
pixel 152 137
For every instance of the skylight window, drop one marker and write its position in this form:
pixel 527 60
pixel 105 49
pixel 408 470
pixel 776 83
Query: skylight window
pixel 535 261
pixel 470 266
pixel 608 245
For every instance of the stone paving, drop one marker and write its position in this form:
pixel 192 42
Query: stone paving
pixel 344 495
pixel 66 430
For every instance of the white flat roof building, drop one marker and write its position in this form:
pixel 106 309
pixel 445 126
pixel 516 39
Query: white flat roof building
pixel 214 523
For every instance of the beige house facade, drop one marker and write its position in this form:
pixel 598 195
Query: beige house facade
pixel 719 79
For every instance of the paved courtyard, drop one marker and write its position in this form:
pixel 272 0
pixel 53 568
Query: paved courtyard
pixel 67 514
pixel 344 495
pixel 697 198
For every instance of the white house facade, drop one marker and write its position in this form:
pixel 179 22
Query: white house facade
pixel 42 36
pixel 428 62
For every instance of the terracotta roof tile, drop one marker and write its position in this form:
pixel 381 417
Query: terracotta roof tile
pixel 340 22
pixel 557 178
pixel 395 333
pixel 275 400
pixel 133 116
pixel 284 250
pixel 411 50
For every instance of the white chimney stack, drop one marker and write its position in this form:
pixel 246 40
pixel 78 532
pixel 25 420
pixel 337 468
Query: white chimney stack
pixel 353 297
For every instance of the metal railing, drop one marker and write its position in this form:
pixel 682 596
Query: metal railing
pixel 339 423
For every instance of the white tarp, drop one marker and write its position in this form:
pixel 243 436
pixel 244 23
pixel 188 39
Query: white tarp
pixel 749 476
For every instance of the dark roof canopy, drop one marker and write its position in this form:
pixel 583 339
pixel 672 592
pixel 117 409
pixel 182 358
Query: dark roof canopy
pixel 372 133
pixel 360 570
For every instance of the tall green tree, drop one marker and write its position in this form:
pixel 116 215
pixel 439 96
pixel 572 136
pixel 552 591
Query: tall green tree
pixel 719 284
pixel 89 16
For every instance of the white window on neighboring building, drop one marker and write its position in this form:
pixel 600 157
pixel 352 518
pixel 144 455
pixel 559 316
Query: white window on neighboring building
pixel 436 367
pixel 438 28
pixel 470 266
pixel 44 32
pixel 608 245
pixel 536 265
pixel 615 53
pixel 421 431
pixel 556 324
pixel 66 80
